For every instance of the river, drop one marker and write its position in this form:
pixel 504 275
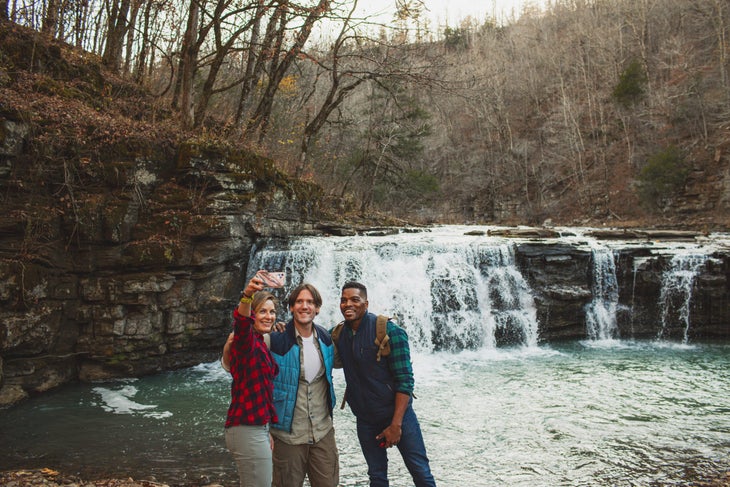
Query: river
pixel 579 414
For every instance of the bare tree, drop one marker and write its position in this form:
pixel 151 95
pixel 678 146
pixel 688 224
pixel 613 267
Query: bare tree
pixel 720 19
pixel 50 19
pixel 118 27
pixel 188 60
pixel 260 116
pixel 254 59
pixel 131 29
pixel 145 41
pixel 337 92
pixel 80 22
pixel 223 47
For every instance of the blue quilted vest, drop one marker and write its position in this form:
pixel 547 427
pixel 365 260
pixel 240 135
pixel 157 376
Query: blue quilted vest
pixel 285 350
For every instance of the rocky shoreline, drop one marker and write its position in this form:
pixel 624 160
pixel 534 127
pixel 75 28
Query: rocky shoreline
pixel 47 477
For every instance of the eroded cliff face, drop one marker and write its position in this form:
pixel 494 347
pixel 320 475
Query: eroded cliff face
pixel 132 267
pixel 123 238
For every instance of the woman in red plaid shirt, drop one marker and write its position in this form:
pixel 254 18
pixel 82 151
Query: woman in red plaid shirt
pixel 252 390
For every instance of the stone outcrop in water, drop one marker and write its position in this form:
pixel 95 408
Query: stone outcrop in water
pixel 651 302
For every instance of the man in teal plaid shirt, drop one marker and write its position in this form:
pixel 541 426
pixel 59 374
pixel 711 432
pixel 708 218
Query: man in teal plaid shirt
pixel 380 390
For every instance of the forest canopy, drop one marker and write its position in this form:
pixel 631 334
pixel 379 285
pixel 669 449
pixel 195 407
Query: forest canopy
pixel 585 111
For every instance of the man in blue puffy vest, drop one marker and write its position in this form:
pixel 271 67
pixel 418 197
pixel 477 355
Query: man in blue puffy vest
pixel 379 390
pixel 304 437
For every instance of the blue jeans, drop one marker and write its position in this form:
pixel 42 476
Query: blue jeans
pixel 411 448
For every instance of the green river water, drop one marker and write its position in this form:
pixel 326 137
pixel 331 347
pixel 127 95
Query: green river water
pixel 618 413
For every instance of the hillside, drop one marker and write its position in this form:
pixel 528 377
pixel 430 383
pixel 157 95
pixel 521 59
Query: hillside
pixel 588 113
pixel 493 130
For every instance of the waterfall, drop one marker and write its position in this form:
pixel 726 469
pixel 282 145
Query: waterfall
pixel 456 288
pixel 601 311
pixel 676 292
pixel 449 292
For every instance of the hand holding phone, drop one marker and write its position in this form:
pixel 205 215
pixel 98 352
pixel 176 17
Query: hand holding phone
pixel 272 279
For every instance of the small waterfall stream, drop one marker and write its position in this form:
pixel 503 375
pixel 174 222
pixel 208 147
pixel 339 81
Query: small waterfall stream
pixel 601 311
pixel 676 295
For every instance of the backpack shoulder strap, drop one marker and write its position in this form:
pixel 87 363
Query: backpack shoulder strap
pixel 335 335
pixel 382 340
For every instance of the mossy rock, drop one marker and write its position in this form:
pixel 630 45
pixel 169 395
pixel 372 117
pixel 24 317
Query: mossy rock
pixel 26 49
pixel 170 195
pixel 206 226
pixel 115 221
pixel 249 165
pixel 154 252
pixel 82 219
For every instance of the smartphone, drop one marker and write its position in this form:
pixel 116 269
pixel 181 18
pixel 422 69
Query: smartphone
pixel 272 279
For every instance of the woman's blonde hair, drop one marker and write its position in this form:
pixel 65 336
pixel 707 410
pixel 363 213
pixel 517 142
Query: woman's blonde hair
pixel 260 298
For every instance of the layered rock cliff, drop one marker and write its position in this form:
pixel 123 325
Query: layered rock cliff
pixel 138 275
pixel 123 240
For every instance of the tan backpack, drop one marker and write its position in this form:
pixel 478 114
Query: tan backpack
pixel 382 340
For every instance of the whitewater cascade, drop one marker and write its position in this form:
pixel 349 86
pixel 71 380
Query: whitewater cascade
pixel 449 294
pixel 454 289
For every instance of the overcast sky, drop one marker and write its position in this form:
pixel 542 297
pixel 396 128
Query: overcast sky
pixel 451 12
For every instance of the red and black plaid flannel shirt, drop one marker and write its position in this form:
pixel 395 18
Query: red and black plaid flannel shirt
pixel 253 370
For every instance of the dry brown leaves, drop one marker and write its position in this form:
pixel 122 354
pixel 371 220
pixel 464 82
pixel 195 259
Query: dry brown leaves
pixel 47 477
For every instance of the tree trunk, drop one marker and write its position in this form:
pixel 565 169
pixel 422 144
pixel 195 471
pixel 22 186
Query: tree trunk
pixel 188 61
pixel 130 37
pixel 50 19
pixel 254 61
pixel 139 69
pixel 222 50
pixel 63 8
pixel 118 28
pixel 722 44
pixel 334 98
pixel 260 118
pixel 207 90
pixel 81 17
